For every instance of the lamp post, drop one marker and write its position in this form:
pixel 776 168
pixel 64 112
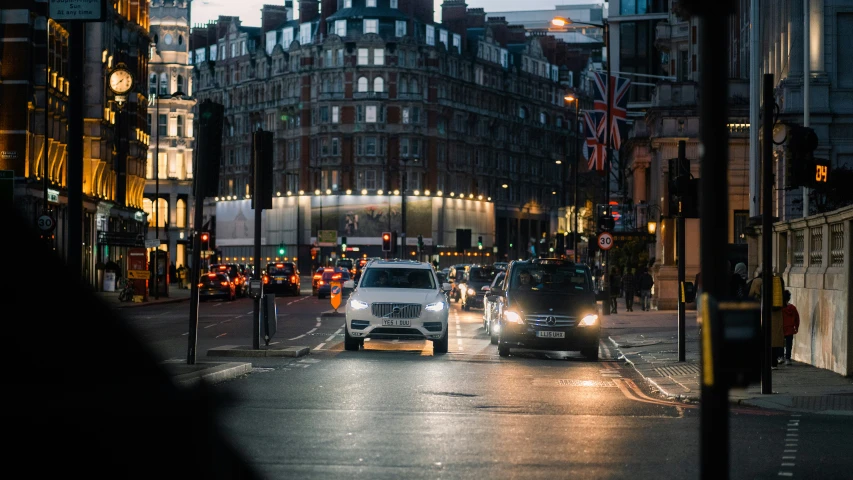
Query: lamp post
pixel 562 22
pixel 572 98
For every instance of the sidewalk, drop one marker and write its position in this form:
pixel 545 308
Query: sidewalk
pixel 654 354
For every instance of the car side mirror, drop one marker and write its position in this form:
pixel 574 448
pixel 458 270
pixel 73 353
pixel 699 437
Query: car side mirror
pixel 446 287
pixel 349 284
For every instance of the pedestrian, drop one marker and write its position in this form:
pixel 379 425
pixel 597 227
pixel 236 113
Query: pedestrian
pixel 615 288
pixel 628 289
pixel 790 324
pixel 777 331
pixel 697 284
pixel 737 284
pixel 645 284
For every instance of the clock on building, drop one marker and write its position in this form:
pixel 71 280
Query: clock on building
pixel 121 80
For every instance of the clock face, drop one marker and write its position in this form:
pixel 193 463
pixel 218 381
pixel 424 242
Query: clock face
pixel 121 81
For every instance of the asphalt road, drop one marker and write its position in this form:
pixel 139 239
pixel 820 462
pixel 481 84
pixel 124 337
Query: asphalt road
pixel 393 410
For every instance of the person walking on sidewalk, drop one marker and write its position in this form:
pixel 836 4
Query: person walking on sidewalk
pixel 790 324
pixel 615 288
pixel 777 332
pixel 628 289
pixel 645 284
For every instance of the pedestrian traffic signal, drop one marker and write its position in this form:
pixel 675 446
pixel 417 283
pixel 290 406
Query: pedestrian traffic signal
pixel 209 154
pixel 344 244
pixel 799 156
pixel 386 241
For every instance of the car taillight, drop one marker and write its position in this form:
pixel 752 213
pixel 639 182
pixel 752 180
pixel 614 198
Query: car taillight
pixel 224 284
pixel 200 284
pixel 293 279
pixel 317 277
pixel 266 280
pixel 320 282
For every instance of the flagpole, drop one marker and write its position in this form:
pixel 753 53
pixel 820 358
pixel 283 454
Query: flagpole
pixel 607 159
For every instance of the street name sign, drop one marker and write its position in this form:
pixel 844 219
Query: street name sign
pixel 78 10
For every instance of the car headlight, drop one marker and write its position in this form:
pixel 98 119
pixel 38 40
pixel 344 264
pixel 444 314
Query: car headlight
pixel 589 320
pixel 471 291
pixel 358 304
pixel 435 307
pixel 513 317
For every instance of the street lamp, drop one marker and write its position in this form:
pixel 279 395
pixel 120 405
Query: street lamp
pixel 569 99
pixel 565 21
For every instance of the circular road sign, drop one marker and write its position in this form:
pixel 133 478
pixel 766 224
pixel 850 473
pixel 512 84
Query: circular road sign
pixel 605 241
pixel 46 223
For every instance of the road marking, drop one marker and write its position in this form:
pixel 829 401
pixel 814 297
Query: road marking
pixel 320 347
pixel 319 324
pixel 790 446
pixel 297 338
pixel 309 332
pixel 219 336
pixel 786 474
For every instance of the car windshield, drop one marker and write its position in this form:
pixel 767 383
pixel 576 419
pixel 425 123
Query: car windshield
pixel 499 278
pixel 551 278
pixel 419 278
pixel 280 269
pixel 483 275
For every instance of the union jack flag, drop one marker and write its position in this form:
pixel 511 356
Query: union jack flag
pixel 594 150
pixel 618 103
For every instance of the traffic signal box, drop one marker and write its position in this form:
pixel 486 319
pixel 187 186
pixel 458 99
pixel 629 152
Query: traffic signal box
pixel 209 144
pixel 420 243
pixel 683 190
pixel 343 244
pixel 386 241
pixel 262 158
pixel 801 168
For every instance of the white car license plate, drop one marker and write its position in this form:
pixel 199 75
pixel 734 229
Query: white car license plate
pixel 279 281
pixel 550 334
pixel 396 322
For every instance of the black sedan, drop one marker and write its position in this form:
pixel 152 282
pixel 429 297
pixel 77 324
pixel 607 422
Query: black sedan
pixel 216 285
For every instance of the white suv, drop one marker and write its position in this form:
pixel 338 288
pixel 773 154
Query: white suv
pixel 397 299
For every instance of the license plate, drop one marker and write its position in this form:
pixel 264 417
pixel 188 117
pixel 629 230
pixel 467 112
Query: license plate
pixel 396 322
pixel 550 334
pixel 278 281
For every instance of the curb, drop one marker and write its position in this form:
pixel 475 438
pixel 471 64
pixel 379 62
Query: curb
pixel 213 373
pixel 246 351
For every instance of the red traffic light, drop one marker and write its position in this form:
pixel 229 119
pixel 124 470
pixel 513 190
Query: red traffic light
pixel 205 237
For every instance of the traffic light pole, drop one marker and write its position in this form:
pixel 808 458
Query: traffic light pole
pixel 680 252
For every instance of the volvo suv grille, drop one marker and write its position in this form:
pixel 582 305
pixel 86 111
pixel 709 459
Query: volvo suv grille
pixel 396 310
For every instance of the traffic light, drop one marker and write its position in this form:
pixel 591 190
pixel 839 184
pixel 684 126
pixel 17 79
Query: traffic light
pixel 480 242
pixel 343 244
pixel 800 166
pixel 679 183
pixel 606 223
pixel 420 243
pixel 262 169
pixel 209 153
pixel 386 241
pixel 205 237
pixel 282 250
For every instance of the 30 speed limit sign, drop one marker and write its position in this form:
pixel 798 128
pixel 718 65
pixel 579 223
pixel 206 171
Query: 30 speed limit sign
pixel 605 241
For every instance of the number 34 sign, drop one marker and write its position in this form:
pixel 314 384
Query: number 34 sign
pixel 605 241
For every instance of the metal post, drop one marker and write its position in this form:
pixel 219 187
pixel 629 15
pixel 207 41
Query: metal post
pixel 806 84
pixel 403 211
pixel 157 194
pixel 766 235
pixel 680 252
pixel 47 116
pixel 714 205
pixel 74 173
pixel 607 163
pixel 258 202
pixel 577 171
pixel 198 217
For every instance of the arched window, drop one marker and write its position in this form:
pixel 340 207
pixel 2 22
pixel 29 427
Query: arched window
pixel 180 83
pixel 152 83
pixel 180 39
pixel 378 85
pixel 362 84
pixel 164 84
pixel 181 213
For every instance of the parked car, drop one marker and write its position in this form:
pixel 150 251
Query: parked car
pixel 282 277
pixel 475 281
pixel 235 273
pixel 216 285
pixel 548 304
pixel 330 275
pixel 491 307
pixel 397 299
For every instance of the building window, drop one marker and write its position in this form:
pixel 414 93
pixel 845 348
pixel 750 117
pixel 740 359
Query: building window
pixel 845 62
pixel 430 35
pixel 347 3
pixel 366 180
pixel 457 42
pixel 371 3
pixel 741 221
pixel 442 37
pixel 393 3
pixel 413 87
pixel 336 146
pixel 162 124
pixel 362 84
pixel 379 56
pixel 378 85
pixel 401 28
pixel 336 114
pixel 371 26
pixel 305 33
pixel 341 28
pixel 363 56
pixel 180 124
pixel 164 84
pixel 370 114
pixel 152 84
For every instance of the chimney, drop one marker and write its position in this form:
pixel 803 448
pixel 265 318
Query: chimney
pixel 309 10
pixel 499 29
pixel 454 16
pixel 516 34
pixel 272 16
pixel 476 18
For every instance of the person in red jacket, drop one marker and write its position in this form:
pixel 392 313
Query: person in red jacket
pixel 790 324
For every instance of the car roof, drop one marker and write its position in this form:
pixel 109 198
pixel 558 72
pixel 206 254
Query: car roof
pixel 398 264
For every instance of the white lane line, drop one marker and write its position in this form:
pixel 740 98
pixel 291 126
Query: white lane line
pixel 786 474
pixel 790 451
pixel 221 335
pixel 296 338
pixel 788 464
pixel 789 457
pixel 211 325
pixel 790 446
pixel 309 332
pixel 318 324
pixel 331 337
pixel 320 347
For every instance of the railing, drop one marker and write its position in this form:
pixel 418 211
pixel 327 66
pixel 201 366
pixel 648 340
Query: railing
pixel 799 248
pixel 816 246
pixel 836 251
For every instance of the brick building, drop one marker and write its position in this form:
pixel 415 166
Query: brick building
pixel 373 91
